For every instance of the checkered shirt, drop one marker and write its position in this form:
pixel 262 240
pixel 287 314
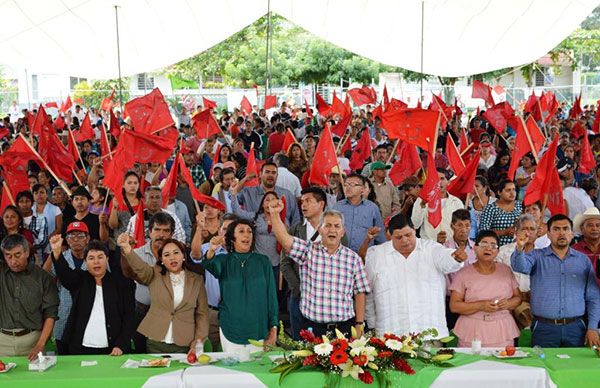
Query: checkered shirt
pixel 328 283
pixel 197 173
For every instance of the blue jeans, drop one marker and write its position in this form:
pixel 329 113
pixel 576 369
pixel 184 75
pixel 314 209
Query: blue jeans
pixel 296 318
pixel 547 335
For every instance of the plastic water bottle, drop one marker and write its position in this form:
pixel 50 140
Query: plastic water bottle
pixel 199 346
pixel 539 352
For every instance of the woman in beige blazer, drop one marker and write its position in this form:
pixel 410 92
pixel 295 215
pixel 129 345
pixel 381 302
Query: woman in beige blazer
pixel 178 315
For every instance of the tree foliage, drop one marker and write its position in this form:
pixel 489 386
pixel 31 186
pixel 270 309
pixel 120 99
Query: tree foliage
pixel 93 94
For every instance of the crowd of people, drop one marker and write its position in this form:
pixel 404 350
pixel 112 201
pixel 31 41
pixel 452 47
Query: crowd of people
pixel 359 252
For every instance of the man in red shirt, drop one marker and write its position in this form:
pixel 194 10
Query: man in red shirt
pixel 276 139
pixel 236 128
pixel 588 224
pixel 476 131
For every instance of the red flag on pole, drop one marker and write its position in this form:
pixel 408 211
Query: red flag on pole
pixel 337 106
pixel 114 127
pixel 58 158
pixel 66 105
pixel 270 102
pixel 528 139
pixel 4 132
pixel 86 132
pixel 456 161
pixel 251 167
pixel 322 106
pixel 208 103
pixel 150 113
pixel 416 126
pixel 72 146
pixel 288 140
pixel 7 197
pixel 51 104
pixel 386 99
pixel 339 129
pixel 246 106
pixel 587 161
pixel 362 96
pixel 531 103
pixel 104 146
pixel 59 123
pixel 107 102
pixel 169 190
pixel 41 121
pixel 196 194
pixel 430 193
pixel 546 185
pixel 205 124
pixel 576 110
pixel 464 183
pixel 139 233
pixel 324 160
pixel 483 91
pixel 407 164
pixel 498 116
pixel 362 151
pixel 309 112
pixel 149 148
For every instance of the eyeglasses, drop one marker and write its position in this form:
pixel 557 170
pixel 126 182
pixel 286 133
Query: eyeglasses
pixel 488 245
pixel 346 184
pixel 76 236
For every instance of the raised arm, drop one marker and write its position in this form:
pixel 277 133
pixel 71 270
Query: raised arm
pixel 235 204
pixel 279 228
pixel 520 261
pixel 143 272
pixel 69 278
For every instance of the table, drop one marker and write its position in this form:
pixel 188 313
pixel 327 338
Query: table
pixel 580 371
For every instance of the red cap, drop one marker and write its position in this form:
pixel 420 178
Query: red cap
pixel 78 226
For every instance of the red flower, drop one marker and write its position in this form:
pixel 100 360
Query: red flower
pixel 360 360
pixel 384 354
pixel 377 342
pixel 339 344
pixel 366 377
pixel 308 336
pixel 338 357
pixel 403 366
pixel 311 360
pixel 391 336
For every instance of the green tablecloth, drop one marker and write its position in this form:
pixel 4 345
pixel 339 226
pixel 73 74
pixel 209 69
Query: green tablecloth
pixel 581 370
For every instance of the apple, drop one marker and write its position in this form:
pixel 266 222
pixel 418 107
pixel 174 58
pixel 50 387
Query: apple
pixel 510 350
pixel 2 366
pixel 191 358
pixel 503 353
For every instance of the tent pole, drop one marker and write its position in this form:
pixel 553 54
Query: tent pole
pixel 422 40
pixel 119 56
pixel 268 51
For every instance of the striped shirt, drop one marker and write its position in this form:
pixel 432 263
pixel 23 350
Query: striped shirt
pixel 328 283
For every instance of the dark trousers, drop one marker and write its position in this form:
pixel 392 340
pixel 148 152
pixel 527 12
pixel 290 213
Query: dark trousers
pixel 281 293
pixel 451 317
pixel 547 335
pixel 296 318
pixel 80 349
pixel 320 329
pixel 139 341
pixel 62 348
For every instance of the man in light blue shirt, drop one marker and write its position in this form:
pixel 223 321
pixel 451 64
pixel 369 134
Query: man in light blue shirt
pixel 359 214
pixel 213 291
pixel 565 300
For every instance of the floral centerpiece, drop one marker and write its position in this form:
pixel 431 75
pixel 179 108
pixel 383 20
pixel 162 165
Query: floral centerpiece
pixel 363 358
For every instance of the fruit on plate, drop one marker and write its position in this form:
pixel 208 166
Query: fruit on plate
pixel 441 357
pixel 503 353
pixel 191 358
pixel 2 366
pixel 204 359
pixel 510 350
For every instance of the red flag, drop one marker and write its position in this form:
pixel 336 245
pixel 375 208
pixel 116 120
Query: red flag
pixel 362 151
pixel 270 102
pixel 251 168
pixel 246 106
pixel 322 106
pixel 66 105
pixel 14 164
pixel 537 137
pixel 553 106
pixel 104 146
pixel 378 112
pixel 546 182
pixel 59 123
pixel 407 164
pixel 114 127
pixel 586 158
pixel 464 182
pixel 114 173
pixel 337 106
pixel 525 133
pixel 578 130
pixel 431 194
pixel 107 103
pixel 457 111
pixel 58 158
pixel 147 148
pixel 196 194
pixel 72 146
pixel 576 110
pixel 324 160
pixel 362 96
pixel 386 99
pixel 169 190
pixel 51 104
pixel 208 103
pixel 205 124
pixel 456 161
pixel 288 140
pixel 308 110
pixel 150 113
pixel 86 132
pixel 139 233
pixel 396 104
pixel 481 90
pixel 30 119
pixel 416 126
pixel 346 146
pixel 437 104
pixel 40 122
pixel 596 124
pixel 498 115
pixel 7 198
pixel 339 129
pixel 463 141
pixel 531 103
pixel 4 132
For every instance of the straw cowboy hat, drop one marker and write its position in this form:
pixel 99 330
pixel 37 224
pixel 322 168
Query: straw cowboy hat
pixel 590 213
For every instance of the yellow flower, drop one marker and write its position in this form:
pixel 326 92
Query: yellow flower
pixel 302 353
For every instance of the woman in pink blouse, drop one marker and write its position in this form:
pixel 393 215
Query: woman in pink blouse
pixel 484 295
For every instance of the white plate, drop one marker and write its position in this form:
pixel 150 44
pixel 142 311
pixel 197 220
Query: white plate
pixel 9 366
pixel 518 354
pixel 185 361
pixel 165 363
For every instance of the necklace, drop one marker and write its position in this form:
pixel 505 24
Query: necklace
pixel 242 262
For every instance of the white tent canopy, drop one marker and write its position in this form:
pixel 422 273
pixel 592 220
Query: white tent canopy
pixel 461 37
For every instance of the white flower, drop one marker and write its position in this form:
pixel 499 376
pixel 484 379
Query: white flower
pixel 323 349
pixel 349 369
pixel 368 351
pixel 393 344
pixel 359 343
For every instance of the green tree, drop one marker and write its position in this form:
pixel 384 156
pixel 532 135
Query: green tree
pixel 93 94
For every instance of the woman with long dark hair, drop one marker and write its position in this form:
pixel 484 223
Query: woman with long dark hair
pixel 120 214
pixel 12 223
pixel 501 215
pixel 248 307
pixel 298 160
pixel 499 169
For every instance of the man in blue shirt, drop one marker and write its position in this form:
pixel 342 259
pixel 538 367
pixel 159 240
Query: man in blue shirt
pixel 359 214
pixel 565 300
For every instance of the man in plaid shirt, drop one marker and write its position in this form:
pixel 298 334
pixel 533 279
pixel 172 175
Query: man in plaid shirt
pixel 333 281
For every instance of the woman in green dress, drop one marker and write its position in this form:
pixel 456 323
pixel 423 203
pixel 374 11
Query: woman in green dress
pixel 248 307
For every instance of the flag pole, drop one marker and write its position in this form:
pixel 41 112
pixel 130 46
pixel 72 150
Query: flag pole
pixel 393 151
pixel 10 196
pixel 533 151
pixel 422 41
pixel 119 56
pixel 76 177
pixel 76 149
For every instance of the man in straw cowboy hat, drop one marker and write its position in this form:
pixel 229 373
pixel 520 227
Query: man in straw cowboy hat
pixel 588 225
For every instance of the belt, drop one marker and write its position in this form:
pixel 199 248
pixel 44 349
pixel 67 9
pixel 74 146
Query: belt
pixel 559 321
pixel 330 325
pixel 213 308
pixel 16 333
